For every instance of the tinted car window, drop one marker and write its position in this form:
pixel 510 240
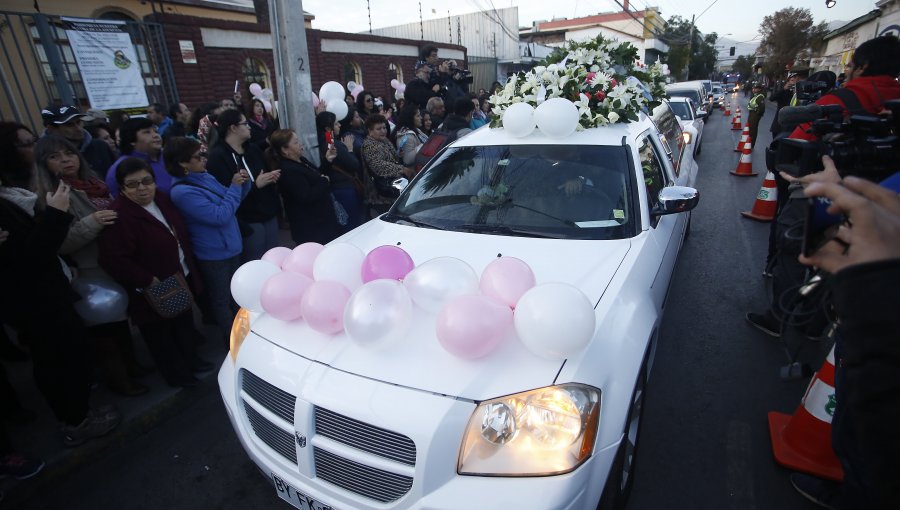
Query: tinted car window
pixel 681 109
pixel 670 129
pixel 692 94
pixel 560 191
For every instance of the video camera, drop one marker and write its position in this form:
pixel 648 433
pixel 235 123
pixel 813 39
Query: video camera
pixel 459 75
pixel 863 145
pixel 810 91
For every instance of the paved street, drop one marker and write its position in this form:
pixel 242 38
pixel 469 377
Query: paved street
pixel 704 444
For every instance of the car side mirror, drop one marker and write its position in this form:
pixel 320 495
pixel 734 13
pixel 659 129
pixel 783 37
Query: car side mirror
pixel 400 184
pixel 675 199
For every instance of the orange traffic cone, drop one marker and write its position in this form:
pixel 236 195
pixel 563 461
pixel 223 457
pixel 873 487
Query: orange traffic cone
pixel 745 137
pixel 803 441
pixel 727 109
pixel 736 121
pixel 722 105
pixel 764 207
pixel 745 165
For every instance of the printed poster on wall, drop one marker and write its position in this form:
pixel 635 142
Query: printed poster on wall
pixel 108 63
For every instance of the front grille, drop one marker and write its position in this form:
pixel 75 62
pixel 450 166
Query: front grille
pixel 272 435
pixel 377 484
pixel 278 401
pixel 365 437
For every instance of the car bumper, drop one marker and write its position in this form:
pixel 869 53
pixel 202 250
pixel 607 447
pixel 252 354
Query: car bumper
pixel 434 423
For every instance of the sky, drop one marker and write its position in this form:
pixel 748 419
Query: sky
pixel 740 18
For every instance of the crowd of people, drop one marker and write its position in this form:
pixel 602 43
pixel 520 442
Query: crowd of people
pixel 121 207
pixel 857 265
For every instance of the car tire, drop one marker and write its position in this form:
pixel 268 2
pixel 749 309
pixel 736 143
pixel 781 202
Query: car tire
pixel 621 475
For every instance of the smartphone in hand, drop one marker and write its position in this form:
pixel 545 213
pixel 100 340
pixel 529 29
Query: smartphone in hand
pixel 329 139
pixel 819 226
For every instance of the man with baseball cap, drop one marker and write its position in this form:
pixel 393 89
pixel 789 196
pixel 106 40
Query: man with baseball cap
pixel 67 121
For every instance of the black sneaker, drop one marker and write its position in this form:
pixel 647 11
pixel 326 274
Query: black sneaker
pixel 765 323
pixel 821 492
pixel 20 465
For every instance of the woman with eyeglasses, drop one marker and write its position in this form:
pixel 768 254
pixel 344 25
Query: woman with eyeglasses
pixel 149 243
pixel 58 160
pixel 209 209
pixel 259 212
pixel 365 105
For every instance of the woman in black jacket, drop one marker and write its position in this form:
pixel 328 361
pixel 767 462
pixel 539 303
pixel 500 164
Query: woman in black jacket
pixel 259 212
pixel 309 204
pixel 261 124
pixel 345 171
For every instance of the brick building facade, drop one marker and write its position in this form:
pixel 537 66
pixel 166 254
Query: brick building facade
pixel 224 48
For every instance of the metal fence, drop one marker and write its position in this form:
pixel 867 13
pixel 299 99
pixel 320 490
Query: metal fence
pixel 38 67
pixel 484 72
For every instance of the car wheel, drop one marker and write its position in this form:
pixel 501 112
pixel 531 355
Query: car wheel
pixel 621 475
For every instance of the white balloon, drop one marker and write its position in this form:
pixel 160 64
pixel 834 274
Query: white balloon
pixel 554 320
pixel 437 281
pixel 340 262
pixel 557 117
pixel 331 90
pixel 378 313
pixel 518 119
pixel 102 300
pixel 338 108
pixel 247 283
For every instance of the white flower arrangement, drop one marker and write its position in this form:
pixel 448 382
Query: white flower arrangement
pixel 603 78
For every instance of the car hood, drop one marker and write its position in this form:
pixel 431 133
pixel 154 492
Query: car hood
pixel 417 360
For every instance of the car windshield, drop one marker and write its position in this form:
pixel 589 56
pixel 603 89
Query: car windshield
pixel 691 94
pixel 554 191
pixel 682 109
pixel 718 90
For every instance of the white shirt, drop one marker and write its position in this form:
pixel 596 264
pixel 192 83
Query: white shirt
pixel 153 209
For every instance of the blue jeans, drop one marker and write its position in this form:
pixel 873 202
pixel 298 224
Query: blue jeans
pixel 263 239
pixel 217 280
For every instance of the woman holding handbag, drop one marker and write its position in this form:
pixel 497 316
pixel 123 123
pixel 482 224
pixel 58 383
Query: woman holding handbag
pixel 148 246
pixel 345 171
pixel 311 209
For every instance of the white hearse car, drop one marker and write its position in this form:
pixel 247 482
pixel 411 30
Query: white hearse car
pixel 336 425
pixel 691 122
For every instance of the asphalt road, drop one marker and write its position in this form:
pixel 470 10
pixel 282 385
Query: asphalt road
pixel 704 443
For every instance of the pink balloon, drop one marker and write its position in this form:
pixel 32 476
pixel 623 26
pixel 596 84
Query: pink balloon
pixel 267 105
pixel 355 92
pixel 506 279
pixel 302 258
pixel 276 255
pixel 323 305
pixel 315 100
pixel 395 83
pixel 255 89
pixel 281 295
pixel 388 262
pixel 472 326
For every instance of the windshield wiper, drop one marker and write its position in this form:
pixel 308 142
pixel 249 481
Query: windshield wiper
pixel 481 228
pixel 393 217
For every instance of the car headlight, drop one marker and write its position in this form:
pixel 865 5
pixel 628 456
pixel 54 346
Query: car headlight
pixel 546 431
pixel 240 328
pixel 687 137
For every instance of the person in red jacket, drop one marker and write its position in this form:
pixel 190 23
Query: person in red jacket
pixel 871 77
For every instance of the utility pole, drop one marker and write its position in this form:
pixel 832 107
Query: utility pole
pixel 421 24
pixel 292 72
pixel 687 65
pixel 369 7
pixel 449 27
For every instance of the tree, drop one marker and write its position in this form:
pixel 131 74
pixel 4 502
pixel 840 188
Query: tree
pixel 678 36
pixel 744 65
pixel 788 35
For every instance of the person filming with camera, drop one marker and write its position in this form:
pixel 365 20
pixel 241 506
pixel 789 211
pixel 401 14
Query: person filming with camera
pixel 871 80
pixel 863 260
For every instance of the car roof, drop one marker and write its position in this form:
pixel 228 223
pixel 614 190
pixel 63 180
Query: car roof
pixel 684 85
pixel 679 99
pixel 606 135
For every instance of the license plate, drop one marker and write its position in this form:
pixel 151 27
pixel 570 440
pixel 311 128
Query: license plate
pixel 296 498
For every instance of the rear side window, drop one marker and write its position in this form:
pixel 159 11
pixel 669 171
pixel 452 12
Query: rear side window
pixel 690 94
pixel 652 168
pixel 670 129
